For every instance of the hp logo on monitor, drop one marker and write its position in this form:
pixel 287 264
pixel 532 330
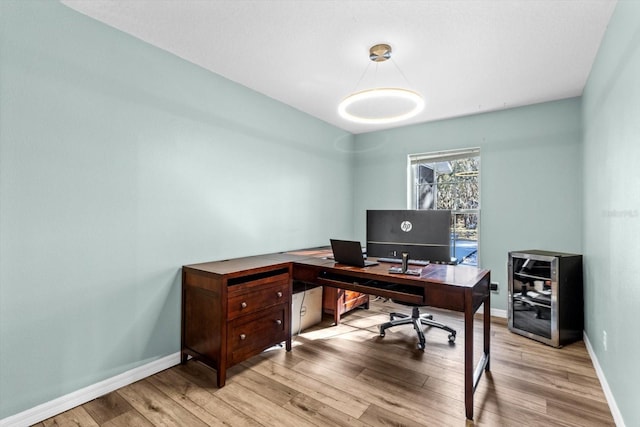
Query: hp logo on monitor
pixel 406 226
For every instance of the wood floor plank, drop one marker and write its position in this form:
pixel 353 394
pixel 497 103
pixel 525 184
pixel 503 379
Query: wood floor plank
pixel 319 413
pixel 259 408
pixel 403 400
pixel 547 381
pixel 181 397
pixel 584 417
pixel 362 355
pixel 347 375
pixel 587 382
pixel 330 396
pixel 76 417
pixel 488 403
pixel 198 385
pixel 377 416
pixel 394 399
pixel 157 407
pixel 341 366
pixel 502 391
pixel 107 407
pixel 392 358
pixel 130 418
pixel 275 391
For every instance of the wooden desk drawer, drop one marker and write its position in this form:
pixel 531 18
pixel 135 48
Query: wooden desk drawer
pixel 445 297
pixel 249 335
pixel 354 299
pixel 258 298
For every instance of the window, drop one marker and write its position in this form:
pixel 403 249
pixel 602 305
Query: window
pixel 450 180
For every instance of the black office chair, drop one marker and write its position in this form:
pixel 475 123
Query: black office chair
pixel 417 320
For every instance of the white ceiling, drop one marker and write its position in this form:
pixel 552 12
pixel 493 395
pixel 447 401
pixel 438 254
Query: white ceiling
pixel 463 56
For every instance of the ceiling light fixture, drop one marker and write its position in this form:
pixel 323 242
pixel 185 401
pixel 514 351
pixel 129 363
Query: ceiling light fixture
pixel 381 105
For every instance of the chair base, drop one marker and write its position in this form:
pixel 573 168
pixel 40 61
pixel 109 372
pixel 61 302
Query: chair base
pixel 417 320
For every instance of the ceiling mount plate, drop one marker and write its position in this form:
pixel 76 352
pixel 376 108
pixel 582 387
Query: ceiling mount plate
pixel 380 52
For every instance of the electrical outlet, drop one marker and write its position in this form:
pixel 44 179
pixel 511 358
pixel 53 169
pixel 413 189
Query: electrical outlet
pixel 493 286
pixel 604 340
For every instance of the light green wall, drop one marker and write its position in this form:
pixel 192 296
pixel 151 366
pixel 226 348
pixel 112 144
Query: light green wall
pixel 611 115
pixel 531 177
pixel 119 163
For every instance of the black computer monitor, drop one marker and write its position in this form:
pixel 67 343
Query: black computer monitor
pixel 424 234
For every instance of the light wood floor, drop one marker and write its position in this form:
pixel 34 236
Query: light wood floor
pixel 349 376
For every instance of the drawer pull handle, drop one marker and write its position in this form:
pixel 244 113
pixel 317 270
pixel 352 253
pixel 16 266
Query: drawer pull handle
pixel 279 294
pixel 243 336
pixel 243 305
pixel 278 322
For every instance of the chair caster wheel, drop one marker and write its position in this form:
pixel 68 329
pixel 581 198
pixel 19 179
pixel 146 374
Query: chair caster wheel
pixel 382 333
pixel 452 338
pixel 420 346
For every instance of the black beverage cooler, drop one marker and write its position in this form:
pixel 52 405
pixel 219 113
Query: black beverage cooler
pixel 545 296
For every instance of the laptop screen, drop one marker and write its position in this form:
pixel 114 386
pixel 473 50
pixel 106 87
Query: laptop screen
pixel 349 252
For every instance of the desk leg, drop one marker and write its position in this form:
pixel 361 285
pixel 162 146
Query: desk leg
pixel 221 374
pixel 472 376
pixel 468 354
pixel 487 330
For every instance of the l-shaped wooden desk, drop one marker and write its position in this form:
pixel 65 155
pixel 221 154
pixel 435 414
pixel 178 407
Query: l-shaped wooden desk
pixel 234 309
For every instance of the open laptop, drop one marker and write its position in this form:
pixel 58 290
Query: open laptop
pixel 350 253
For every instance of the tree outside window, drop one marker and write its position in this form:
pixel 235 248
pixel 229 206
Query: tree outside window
pixel 450 180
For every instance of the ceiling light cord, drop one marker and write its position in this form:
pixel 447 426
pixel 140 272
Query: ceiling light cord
pixel 355 88
pixel 400 71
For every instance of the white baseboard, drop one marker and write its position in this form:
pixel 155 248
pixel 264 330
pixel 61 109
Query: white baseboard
pixel 495 312
pixel 615 411
pixel 499 313
pixel 79 397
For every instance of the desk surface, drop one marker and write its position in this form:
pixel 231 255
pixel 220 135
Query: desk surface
pixel 457 276
pixel 452 275
pixel 235 266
